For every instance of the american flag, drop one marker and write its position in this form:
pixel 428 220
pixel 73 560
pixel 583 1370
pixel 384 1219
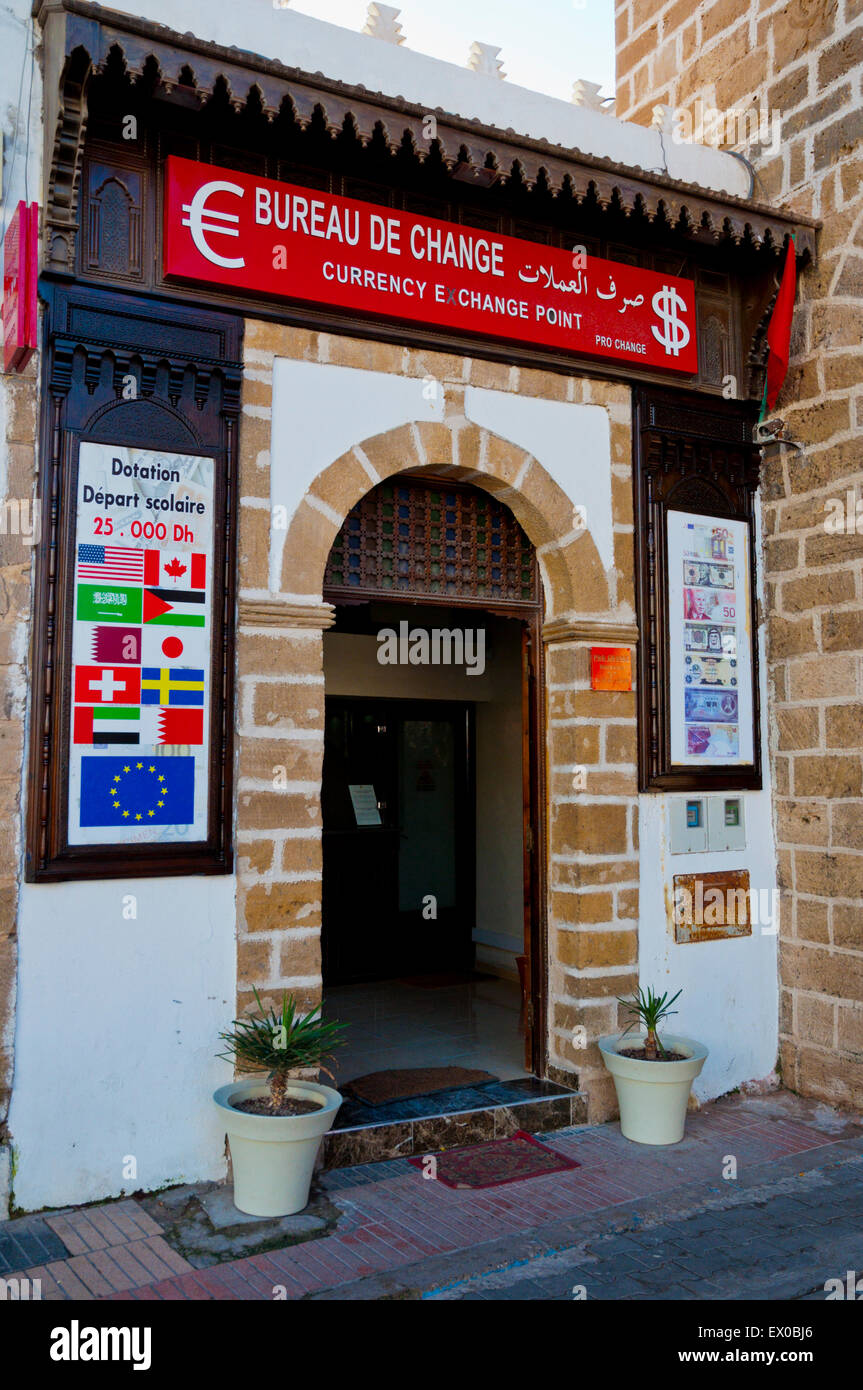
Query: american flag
pixel 110 562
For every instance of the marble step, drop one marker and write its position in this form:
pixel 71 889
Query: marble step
pixel 447 1119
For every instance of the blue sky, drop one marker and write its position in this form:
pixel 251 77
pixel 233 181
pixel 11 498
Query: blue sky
pixel 545 44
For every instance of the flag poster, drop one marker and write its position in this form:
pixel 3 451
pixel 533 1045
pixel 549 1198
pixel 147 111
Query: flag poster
pixel 710 642
pixel 141 647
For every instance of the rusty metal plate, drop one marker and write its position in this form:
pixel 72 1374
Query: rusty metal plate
pixel 709 907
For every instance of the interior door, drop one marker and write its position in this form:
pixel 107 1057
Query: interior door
pixel 398 896
pixel 437 906
pixel 360 861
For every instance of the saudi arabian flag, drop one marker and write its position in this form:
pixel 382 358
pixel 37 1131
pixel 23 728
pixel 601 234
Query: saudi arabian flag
pixel 108 603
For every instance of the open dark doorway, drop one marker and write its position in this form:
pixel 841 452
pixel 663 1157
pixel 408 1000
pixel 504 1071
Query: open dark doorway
pixel 432 799
pixel 398 803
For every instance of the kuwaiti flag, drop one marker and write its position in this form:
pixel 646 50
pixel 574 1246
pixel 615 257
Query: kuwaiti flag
pixel 779 332
pixel 175 607
pixel 135 791
pixel 96 724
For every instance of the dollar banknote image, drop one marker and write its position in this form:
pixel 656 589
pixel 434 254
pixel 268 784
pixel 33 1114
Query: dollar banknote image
pixel 713 740
pixel 703 574
pixel 710 706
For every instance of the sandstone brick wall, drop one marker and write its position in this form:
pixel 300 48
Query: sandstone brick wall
pixel 592 869
pixel 15 565
pixel 804 61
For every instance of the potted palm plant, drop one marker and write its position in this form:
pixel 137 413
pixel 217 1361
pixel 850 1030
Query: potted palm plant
pixel 275 1127
pixel 652 1076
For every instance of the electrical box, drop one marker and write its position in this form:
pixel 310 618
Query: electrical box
pixel 726 823
pixel 688 824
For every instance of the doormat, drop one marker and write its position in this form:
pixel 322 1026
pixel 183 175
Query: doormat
pixel 444 978
pixel 378 1087
pixel 496 1162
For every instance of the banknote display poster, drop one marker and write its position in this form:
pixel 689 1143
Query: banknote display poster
pixel 710 641
pixel 142 601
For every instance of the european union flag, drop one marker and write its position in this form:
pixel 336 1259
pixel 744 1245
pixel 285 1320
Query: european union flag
pixel 137 791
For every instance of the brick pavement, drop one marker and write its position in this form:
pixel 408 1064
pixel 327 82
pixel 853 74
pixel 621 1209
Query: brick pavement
pixel 629 1222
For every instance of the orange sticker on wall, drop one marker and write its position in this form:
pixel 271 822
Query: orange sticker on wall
pixel 610 668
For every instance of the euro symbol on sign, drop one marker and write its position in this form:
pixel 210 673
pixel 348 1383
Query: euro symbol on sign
pixel 198 212
pixel 675 333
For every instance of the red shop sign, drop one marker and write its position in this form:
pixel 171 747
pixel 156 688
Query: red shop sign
pixel 270 238
pixel 19 287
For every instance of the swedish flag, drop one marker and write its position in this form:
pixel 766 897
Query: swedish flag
pixel 181 686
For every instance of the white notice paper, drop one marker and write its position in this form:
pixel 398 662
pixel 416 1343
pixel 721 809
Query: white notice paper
pixel 365 803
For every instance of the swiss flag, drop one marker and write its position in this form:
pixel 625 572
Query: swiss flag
pixel 108 685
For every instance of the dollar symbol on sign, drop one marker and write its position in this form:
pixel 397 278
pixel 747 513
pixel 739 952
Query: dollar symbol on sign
pixel 675 333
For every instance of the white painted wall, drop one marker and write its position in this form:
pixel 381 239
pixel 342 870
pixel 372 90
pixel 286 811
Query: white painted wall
pixel 314 46
pixel 20 111
pixel 319 413
pixel 730 997
pixel 572 442
pixel 117 1027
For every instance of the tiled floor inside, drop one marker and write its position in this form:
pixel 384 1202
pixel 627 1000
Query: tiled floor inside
pixel 393 1023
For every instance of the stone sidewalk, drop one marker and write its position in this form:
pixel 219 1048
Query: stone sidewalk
pixel 628 1223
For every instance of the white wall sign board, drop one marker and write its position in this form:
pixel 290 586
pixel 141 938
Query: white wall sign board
pixel 710 641
pixel 141 624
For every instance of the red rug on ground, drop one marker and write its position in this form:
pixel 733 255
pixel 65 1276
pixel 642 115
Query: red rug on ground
pixel 496 1162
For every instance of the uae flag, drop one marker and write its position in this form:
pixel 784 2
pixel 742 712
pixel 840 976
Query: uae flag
pixel 174 607
pixel 107 724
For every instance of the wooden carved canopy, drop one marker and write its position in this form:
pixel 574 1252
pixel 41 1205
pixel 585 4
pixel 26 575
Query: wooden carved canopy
pixel 80 38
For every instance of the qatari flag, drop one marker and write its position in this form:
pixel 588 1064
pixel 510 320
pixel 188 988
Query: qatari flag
pixel 114 645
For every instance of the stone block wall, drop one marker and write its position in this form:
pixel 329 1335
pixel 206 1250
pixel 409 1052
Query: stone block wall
pixel 803 63
pixel 591 870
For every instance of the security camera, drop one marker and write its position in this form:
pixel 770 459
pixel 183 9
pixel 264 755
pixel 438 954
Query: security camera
pixel 773 432
pixel 768 431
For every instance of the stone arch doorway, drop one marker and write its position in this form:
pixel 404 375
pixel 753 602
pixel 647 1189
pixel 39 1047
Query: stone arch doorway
pixel 589 864
pixel 432 791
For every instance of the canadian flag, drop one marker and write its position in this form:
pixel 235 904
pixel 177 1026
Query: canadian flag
pixel 181 568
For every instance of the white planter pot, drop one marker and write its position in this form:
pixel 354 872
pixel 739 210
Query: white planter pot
pixel 652 1095
pixel 273 1156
